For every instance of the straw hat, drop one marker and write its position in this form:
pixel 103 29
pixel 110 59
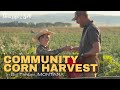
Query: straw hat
pixel 42 32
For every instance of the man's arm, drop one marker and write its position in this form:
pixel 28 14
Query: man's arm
pixel 94 51
pixel 95 41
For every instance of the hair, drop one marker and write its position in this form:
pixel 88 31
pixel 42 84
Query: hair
pixel 42 36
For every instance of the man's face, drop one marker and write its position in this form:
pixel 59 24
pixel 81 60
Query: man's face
pixel 80 20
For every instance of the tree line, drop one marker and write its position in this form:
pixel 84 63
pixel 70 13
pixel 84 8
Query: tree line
pixel 31 24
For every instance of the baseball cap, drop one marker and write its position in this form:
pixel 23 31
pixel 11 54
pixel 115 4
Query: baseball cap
pixel 78 13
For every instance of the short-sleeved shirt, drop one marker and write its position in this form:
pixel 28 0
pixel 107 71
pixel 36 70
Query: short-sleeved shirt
pixel 92 35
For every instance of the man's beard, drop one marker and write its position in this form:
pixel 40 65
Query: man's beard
pixel 81 26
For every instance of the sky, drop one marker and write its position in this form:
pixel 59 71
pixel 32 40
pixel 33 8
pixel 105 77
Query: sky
pixel 113 13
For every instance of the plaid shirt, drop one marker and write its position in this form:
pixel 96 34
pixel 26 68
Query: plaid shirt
pixel 42 50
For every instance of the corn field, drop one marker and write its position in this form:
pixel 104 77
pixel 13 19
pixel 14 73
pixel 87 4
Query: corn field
pixel 18 41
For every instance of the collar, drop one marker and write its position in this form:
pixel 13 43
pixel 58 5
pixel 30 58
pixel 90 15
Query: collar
pixel 42 46
pixel 90 22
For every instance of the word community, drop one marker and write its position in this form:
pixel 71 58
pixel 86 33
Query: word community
pixel 49 64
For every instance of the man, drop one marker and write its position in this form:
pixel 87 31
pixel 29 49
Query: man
pixel 90 44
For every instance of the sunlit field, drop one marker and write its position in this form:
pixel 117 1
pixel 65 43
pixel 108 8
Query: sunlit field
pixel 18 41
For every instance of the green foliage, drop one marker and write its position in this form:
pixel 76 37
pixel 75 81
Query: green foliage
pixel 109 67
pixel 18 41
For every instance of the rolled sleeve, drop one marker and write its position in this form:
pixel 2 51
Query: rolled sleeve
pixel 94 35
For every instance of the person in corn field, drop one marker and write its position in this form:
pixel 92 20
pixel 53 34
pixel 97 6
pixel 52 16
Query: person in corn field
pixel 90 43
pixel 43 39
